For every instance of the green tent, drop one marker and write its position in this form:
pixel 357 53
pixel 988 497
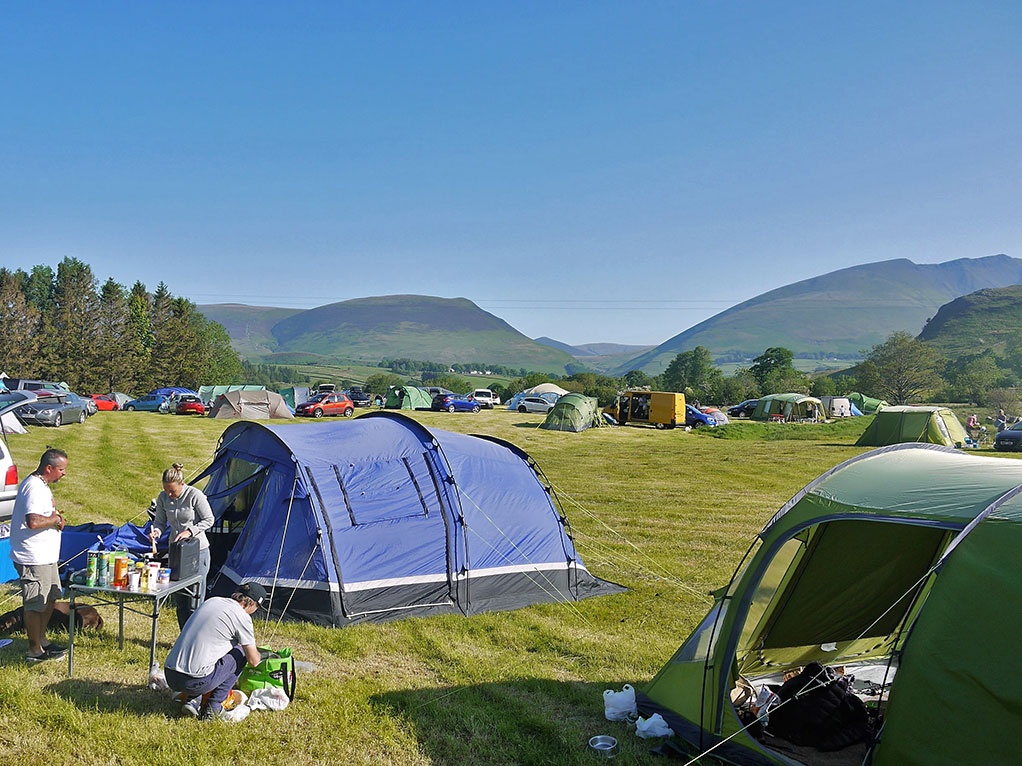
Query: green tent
pixel 574 412
pixel 867 404
pixel 295 395
pixel 791 407
pixel 408 398
pixel 894 425
pixel 905 557
pixel 210 393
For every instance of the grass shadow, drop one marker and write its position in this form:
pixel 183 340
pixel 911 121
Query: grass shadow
pixel 524 721
pixel 526 425
pixel 114 697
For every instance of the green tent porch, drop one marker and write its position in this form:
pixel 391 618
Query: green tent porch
pixel 790 407
pixel 867 405
pixel 904 556
pixel 895 425
pixel 408 398
pixel 573 412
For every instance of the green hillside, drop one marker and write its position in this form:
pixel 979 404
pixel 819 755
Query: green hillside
pixel 990 318
pixel 842 312
pixel 248 326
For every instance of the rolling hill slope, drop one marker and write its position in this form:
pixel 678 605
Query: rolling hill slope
pixel 392 326
pixel 843 312
pixel 990 318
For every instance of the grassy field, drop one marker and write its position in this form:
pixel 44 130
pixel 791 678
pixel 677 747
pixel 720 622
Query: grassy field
pixel 667 513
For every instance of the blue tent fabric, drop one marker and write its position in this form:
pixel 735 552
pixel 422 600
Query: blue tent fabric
pixel 168 390
pixel 381 518
pixel 75 540
pixel 855 410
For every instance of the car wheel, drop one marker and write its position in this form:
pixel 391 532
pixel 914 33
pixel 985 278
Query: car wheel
pixel 450 408
pixel 317 413
pixel 349 412
pixel 56 420
pixel 476 408
pixel 130 408
pixel 521 408
pixel 659 426
pixel 81 418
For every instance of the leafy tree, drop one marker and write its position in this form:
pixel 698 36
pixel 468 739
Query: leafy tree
pixel 638 379
pixel 19 319
pixel 823 386
pixel 774 358
pixel 382 382
pixel 694 370
pixel 782 380
pixel 906 367
pixel 446 380
pixel 971 377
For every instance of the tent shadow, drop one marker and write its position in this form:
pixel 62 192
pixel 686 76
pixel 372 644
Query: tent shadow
pixel 114 697
pixel 524 720
pixel 527 425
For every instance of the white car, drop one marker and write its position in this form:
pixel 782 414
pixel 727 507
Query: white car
pixel 10 401
pixel 535 404
pixel 485 397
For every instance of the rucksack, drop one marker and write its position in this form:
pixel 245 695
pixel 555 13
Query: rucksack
pixel 276 669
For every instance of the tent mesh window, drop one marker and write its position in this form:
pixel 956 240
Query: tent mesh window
pixel 231 504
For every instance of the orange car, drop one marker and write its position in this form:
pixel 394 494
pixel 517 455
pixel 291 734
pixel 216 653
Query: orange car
pixel 326 404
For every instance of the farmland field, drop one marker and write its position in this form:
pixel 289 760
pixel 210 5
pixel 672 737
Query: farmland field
pixel 666 513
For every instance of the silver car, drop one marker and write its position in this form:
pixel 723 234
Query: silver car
pixel 535 404
pixel 10 401
pixel 54 408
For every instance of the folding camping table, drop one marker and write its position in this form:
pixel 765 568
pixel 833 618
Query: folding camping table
pixel 121 598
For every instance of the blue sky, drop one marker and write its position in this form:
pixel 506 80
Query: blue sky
pixel 589 171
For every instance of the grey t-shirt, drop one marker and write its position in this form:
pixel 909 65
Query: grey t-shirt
pixel 211 632
pixel 189 511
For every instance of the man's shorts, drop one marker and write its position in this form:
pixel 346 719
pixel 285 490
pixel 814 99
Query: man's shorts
pixel 40 584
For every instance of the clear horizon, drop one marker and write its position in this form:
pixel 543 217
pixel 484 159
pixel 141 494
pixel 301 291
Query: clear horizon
pixel 596 174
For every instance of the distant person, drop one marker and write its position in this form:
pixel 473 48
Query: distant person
pixel 186 510
pixel 972 422
pixel 1001 421
pixel 36 525
pixel 212 650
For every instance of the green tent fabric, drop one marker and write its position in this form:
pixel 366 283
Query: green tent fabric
pixel 894 425
pixel 295 395
pixel 933 590
pixel 574 412
pixel 791 407
pixel 867 404
pixel 210 393
pixel 408 398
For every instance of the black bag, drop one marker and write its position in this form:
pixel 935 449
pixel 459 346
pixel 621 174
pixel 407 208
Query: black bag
pixel 184 559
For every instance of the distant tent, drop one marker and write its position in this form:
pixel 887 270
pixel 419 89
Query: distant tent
pixel 895 425
pixel 867 405
pixel 545 388
pixel 718 416
pixel 170 390
pixel 295 395
pixel 209 393
pixel 573 412
pixel 380 518
pixel 250 405
pixel 837 406
pixel 120 398
pixel 790 407
pixel 855 410
pixel 408 398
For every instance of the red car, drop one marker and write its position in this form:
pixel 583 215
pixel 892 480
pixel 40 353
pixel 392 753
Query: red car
pixel 326 404
pixel 104 402
pixel 190 405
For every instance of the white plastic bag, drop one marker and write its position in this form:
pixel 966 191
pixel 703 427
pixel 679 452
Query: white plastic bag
pixel 654 726
pixel 158 681
pixel 270 698
pixel 239 713
pixel 617 706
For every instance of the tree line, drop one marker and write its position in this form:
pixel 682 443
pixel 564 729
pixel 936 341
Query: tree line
pixel 64 326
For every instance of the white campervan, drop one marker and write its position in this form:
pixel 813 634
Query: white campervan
pixel 485 397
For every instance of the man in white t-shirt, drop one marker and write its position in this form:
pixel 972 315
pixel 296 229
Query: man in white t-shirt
pixel 213 648
pixel 35 550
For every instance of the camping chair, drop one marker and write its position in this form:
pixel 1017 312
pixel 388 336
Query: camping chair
pixel 978 434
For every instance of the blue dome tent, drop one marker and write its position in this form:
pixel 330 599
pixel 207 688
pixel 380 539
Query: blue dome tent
pixel 381 518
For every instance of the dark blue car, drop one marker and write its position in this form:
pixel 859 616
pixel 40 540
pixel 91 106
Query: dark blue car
pixel 455 403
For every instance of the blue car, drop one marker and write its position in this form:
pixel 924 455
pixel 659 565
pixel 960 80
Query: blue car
pixel 455 403
pixel 694 418
pixel 150 402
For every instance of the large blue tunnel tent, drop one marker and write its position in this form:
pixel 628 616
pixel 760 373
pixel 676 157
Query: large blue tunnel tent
pixel 381 518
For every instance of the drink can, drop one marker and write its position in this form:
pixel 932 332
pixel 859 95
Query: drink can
pixel 91 572
pixel 121 572
pixel 164 576
pixel 101 569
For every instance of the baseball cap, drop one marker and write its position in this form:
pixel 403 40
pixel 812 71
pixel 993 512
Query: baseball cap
pixel 254 591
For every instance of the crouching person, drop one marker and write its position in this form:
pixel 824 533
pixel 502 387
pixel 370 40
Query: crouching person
pixel 212 650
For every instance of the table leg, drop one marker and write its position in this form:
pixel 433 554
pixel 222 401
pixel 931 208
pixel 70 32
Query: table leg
pixel 152 643
pixel 71 635
pixel 120 623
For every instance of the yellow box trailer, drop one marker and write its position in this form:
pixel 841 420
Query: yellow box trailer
pixel 663 409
